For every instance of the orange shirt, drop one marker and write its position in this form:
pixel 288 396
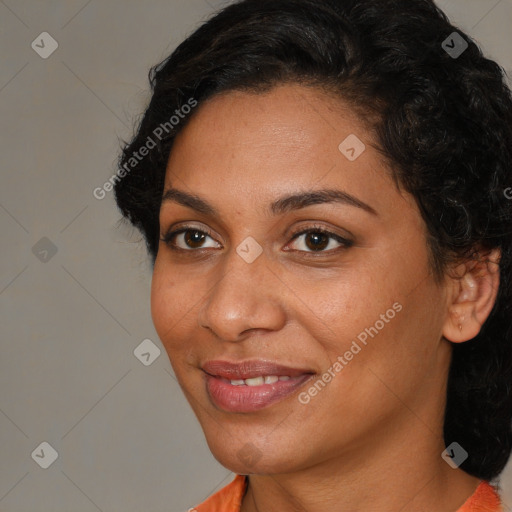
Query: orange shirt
pixel 229 499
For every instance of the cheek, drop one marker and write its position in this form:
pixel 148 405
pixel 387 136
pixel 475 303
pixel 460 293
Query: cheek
pixel 172 310
pixel 341 308
pixel 387 315
pixel 169 306
pixel 159 311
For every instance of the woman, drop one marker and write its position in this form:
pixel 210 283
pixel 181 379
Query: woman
pixel 322 189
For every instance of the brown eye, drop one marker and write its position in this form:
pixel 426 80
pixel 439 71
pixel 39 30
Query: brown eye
pixel 187 239
pixel 319 239
pixel 194 238
pixel 316 241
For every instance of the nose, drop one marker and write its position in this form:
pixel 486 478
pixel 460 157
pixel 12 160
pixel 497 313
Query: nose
pixel 248 296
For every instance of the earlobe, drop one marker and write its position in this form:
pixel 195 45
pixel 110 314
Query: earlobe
pixel 475 289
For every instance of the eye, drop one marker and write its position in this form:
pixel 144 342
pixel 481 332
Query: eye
pixel 190 238
pixel 318 239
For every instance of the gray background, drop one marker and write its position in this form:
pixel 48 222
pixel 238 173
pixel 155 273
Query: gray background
pixel 126 438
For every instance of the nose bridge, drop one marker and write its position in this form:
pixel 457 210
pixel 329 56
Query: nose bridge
pixel 242 297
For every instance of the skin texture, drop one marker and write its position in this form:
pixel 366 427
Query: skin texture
pixel 372 438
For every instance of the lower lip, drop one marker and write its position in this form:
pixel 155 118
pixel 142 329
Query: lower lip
pixel 250 398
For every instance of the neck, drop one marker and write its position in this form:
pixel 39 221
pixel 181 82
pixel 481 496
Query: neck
pixel 404 472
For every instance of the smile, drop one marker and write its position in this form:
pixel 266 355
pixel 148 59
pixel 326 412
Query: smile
pixel 251 385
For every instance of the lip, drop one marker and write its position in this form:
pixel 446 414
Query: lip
pixel 249 369
pixel 243 398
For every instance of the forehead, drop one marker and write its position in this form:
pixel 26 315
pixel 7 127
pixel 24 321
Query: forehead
pixel 260 145
pixel 289 124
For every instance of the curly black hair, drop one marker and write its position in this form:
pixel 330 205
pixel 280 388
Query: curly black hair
pixel 442 116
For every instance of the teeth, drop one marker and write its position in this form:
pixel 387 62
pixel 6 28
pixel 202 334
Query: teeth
pixel 256 381
pixel 259 381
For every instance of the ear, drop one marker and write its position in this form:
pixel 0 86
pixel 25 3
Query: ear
pixel 473 290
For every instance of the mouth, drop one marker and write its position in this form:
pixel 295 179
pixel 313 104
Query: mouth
pixel 249 386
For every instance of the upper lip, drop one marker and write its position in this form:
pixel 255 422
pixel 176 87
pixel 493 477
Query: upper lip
pixel 250 369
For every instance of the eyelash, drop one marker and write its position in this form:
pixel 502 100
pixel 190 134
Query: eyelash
pixel 345 244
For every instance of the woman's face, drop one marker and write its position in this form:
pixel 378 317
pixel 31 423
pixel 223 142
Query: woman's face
pixel 349 323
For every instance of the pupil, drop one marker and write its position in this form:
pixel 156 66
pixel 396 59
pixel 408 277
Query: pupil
pixel 317 237
pixel 192 240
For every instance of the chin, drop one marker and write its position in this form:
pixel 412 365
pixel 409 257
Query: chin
pixel 247 458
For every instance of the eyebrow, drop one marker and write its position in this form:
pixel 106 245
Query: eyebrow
pixel 280 206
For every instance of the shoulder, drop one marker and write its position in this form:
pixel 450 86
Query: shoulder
pixel 484 499
pixel 228 499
